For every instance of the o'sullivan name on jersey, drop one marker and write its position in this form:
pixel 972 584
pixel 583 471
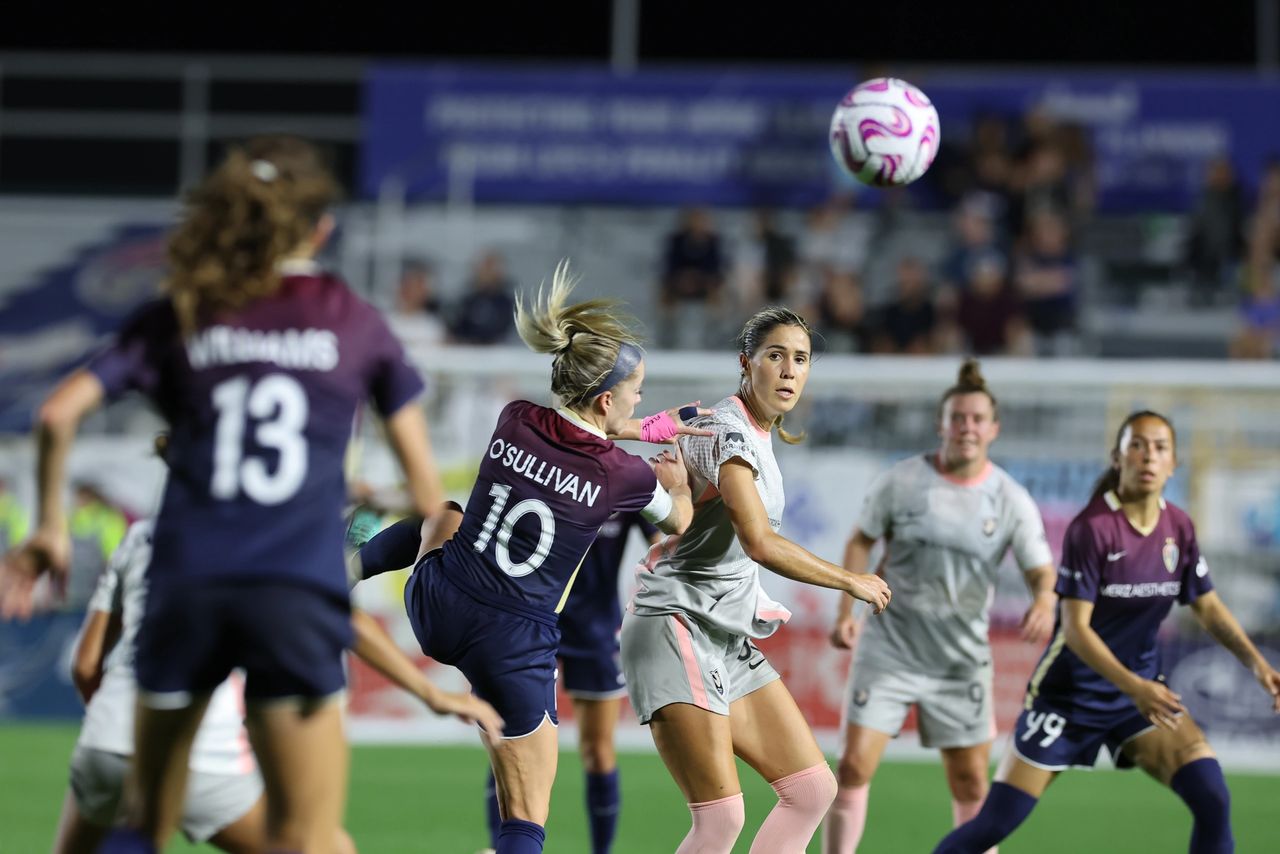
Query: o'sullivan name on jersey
pixel 522 462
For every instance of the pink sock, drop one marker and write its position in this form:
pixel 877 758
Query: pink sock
pixel 846 820
pixel 803 798
pixel 962 811
pixel 716 825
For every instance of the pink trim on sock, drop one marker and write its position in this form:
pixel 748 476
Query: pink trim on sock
pixel 716 825
pixel 846 820
pixel 803 799
pixel 691 670
pixel 962 811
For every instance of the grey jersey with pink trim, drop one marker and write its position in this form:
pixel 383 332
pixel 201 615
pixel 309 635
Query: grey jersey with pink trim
pixel 705 573
pixel 945 540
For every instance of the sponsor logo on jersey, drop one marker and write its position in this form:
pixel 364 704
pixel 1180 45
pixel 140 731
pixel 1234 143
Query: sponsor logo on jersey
pixel 1202 567
pixel 989 526
pixel 1170 554
pixel 1112 557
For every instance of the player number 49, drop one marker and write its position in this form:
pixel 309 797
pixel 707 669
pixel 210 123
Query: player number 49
pixel 1047 722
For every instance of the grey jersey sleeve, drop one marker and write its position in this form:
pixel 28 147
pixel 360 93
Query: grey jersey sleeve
pixel 705 454
pixel 877 507
pixel 107 595
pixel 1029 542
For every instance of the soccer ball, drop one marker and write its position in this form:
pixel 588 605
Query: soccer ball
pixel 885 132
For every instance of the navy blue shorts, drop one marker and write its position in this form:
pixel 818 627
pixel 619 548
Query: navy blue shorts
pixel 593 677
pixel 590 663
pixel 509 659
pixel 288 638
pixel 1047 738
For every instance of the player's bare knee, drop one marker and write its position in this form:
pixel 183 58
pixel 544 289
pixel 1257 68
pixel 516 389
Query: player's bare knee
pixel 598 757
pixel 853 771
pixel 967 784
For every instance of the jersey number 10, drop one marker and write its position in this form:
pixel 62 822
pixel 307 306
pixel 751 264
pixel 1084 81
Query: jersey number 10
pixel 546 531
pixel 278 406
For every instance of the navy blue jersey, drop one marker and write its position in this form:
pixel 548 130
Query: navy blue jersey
pixel 260 404
pixel 546 486
pixel 1133 581
pixel 592 613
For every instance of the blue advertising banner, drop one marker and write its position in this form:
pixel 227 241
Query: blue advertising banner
pixel 52 324
pixel 734 137
pixel 35 667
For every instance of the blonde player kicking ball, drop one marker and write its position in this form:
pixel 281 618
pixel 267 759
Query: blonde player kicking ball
pixel 693 673
pixel 947 517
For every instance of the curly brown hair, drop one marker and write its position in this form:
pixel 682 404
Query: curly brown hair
pixel 251 212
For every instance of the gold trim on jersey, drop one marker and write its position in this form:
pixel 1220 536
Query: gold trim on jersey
pixel 564 597
pixel 1055 648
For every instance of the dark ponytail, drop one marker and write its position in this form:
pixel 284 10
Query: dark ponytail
pixel 1109 480
pixel 970 381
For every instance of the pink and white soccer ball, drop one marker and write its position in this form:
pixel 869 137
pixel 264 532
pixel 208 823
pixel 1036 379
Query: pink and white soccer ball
pixel 885 132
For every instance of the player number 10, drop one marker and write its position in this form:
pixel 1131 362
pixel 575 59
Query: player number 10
pixel 1050 723
pixel 546 533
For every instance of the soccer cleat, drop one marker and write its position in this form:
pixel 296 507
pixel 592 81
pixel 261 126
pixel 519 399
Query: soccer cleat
pixel 362 524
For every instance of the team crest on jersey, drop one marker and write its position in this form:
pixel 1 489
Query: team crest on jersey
pixel 989 525
pixel 1170 554
pixel 715 680
pixel 860 697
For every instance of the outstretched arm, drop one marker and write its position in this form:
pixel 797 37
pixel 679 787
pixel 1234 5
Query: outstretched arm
pixel 1218 621
pixel 49 549
pixel 1037 622
pixel 769 549
pixel 857 556
pixel 376 648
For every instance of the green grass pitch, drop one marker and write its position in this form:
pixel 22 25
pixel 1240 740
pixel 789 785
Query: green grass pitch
pixel 428 799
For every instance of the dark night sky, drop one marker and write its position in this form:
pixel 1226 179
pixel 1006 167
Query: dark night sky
pixel 1125 32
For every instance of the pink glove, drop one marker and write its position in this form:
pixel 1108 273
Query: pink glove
pixel 658 428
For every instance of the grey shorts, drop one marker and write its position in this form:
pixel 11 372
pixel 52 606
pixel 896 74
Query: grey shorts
pixel 214 801
pixel 671 659
pixel 952 711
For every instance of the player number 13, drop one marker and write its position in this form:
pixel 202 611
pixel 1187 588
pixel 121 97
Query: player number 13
pixel 277 405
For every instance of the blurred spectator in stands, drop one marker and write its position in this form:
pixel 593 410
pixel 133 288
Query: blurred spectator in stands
pixel 834 239
pixel 906 324
pixel 418 303
pixel 1258 335
pixel 1082 172
pixel 97 526
pixel 484 315
pixel 14 520
pixel 988 311
pixel 839 312
pixel 778 259
pixel 692 301
pixel 973 236
pixel 1040 186
pixel 1047 280
pixel 1216 234
pixel 981 163
pixel 768 270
